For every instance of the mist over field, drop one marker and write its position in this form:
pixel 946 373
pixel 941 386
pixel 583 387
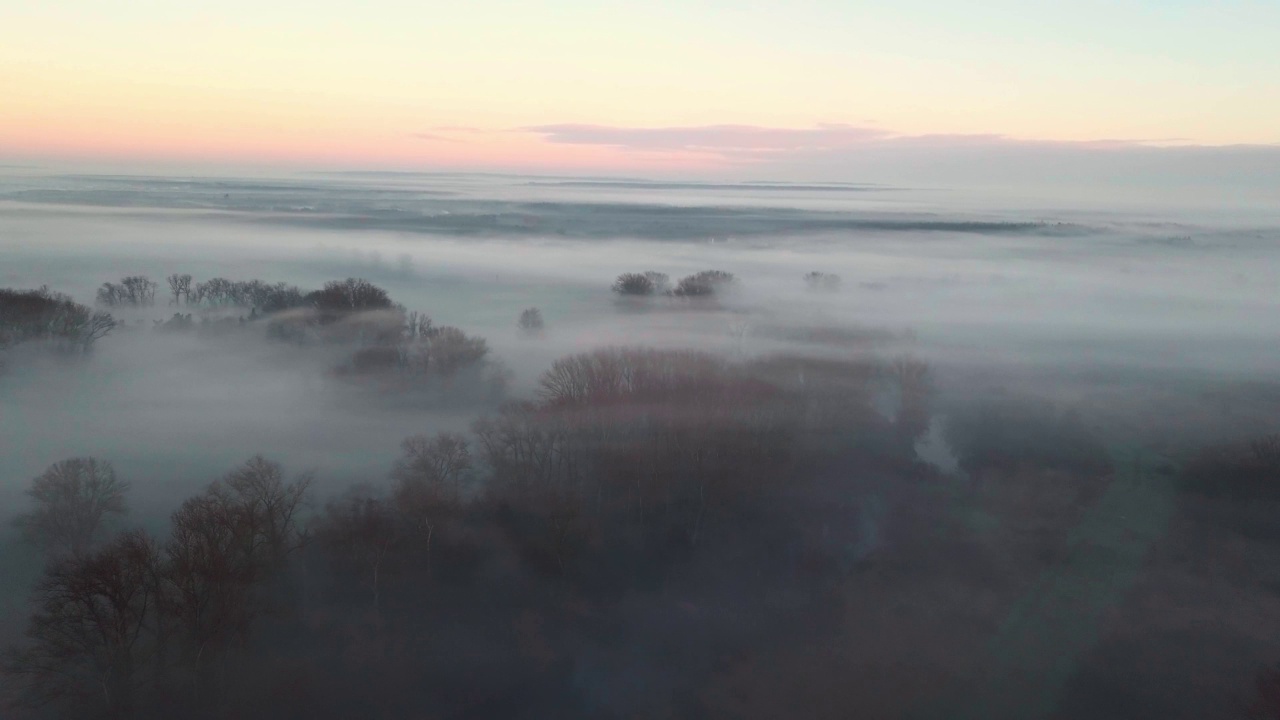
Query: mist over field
pixel 928 453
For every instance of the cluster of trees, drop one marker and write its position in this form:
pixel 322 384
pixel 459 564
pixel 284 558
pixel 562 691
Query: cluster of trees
pixel 633 469
pixel 642 284
pixel 408 346
pixel 132 291
pixel 386 337
pixel 705 284
pixel 654 533
pixel 50 318
pixel 72 500
pixel 258 296
pixel 822 281
pixel 352 294
pixel 126 627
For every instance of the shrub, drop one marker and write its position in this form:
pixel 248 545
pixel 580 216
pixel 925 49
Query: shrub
pixel 634 284
pixel 531 321
pixel 705 284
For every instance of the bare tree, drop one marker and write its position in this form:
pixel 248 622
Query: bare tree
pixel 180 288
pixel 136 290
pixel 72 499
pixel 225 548
pixel 359 531
pixel 141 289
pixel 94 630
pixel 418 326
pixel 269 504
pixel 92 328
pixel 208 575
pixel 440 462
pixel 110 294
pixel 429 480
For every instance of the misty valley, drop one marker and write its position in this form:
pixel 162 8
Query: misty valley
pixel 397 445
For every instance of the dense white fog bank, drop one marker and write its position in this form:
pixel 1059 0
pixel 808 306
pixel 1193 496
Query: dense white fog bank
pixel 1091 298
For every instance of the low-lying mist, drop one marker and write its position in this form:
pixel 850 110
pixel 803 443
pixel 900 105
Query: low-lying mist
pixel 883 437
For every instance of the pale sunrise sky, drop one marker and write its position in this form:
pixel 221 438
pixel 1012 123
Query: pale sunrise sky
pixel 701 85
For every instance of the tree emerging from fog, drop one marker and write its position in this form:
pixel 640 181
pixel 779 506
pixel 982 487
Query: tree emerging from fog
pixel 705 284
pixel 530 321
pixel 634 284
pixel 822 281
pixel 350 295
pixel 179 288
pixel 50 318
pixel 452 350
pixel 134 291
pixel 642 284
pixel 95 632
pixel 72 500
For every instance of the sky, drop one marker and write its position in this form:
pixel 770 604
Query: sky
pixel 809 88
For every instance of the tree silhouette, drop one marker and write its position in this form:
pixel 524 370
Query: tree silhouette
pixel 94 630
pixel 226 547
pixel 135 290
pixel 179 287
pixel 358 532
pixel 634 284
pixel 350 295
pixel 44 315
pixel 531 321
pixel 705 284
pixel 429 480
pixel 72 499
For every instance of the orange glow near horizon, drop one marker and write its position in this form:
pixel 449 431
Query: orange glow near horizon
pixel 321 84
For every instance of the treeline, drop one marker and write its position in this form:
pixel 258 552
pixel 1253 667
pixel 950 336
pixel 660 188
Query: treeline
pixel 655 533
pixel 254 295
pixel 703 285
pixel 385 337
pixel 461 586
pixel 49 318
